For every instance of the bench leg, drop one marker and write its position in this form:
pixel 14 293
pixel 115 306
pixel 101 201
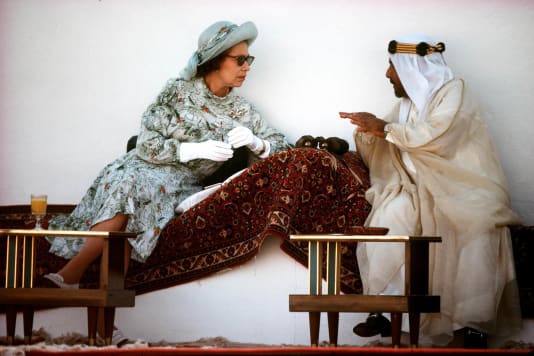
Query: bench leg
pixel 27 313
pixel 11 322
pixel 109 318
pixel 333 324
pixel 92 322
pixel 105 315
pixel 414 320
pixel 315 319
pixel 396 323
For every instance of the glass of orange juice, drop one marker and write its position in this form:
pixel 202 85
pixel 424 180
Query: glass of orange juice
pixel 38 204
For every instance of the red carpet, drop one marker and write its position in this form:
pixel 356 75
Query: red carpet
pixel 279 351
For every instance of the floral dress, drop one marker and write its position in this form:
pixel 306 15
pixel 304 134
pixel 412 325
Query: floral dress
pixel 147 183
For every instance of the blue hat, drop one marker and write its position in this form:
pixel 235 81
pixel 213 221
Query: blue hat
pixel 215 40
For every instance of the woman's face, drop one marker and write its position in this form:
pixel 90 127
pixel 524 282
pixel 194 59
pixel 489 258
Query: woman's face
pixel 230 72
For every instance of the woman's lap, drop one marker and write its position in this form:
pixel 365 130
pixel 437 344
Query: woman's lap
pixel 300 190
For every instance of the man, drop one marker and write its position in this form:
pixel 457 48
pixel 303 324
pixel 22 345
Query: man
pixel 434 171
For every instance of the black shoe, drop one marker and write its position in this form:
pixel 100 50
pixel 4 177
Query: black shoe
pixel 375 324
pixel 474 339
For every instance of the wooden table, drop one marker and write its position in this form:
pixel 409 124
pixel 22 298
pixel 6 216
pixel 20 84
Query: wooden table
pixel 20 293
pixel 416 299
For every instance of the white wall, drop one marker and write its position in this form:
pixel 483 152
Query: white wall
pixel 76 76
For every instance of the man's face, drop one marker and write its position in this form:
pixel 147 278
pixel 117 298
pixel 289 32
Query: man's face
pixel 394 79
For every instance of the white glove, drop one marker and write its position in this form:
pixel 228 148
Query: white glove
pixel 210 149
pixel 242 136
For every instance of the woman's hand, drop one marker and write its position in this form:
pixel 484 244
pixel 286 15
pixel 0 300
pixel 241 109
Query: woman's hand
pixel 214 150
pixel 242 136
pixel 366 122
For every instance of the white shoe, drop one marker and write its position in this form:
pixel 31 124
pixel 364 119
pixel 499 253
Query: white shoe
pixel 60 282
pixel 117 338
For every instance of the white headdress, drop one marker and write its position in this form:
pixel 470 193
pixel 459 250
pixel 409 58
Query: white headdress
pixel 421 69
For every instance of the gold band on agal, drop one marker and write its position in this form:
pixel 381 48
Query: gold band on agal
pixel 421 49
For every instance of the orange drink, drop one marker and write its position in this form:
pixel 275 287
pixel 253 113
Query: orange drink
pixel 38 204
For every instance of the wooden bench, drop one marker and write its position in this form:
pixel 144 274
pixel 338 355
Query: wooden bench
pixel 415 300
pixel 19 293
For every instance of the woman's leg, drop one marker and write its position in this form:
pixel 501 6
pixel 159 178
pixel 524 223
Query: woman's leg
pixel 72 272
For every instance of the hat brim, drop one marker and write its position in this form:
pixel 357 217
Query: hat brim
pixel 246 32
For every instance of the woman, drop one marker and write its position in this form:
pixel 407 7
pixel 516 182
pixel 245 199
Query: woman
pixel 191 130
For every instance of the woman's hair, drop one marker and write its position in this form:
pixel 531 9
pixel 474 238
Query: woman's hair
pixel 211 65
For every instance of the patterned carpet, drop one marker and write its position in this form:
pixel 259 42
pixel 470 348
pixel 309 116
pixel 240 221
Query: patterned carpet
pixel 74 344
pixel 300 190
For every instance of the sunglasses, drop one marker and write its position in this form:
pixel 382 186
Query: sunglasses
pixel 242 59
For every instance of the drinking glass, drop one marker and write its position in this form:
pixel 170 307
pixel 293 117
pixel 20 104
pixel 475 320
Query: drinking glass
pixel 38 204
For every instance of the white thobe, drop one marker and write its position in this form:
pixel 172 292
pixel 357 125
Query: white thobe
pixel 456 190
